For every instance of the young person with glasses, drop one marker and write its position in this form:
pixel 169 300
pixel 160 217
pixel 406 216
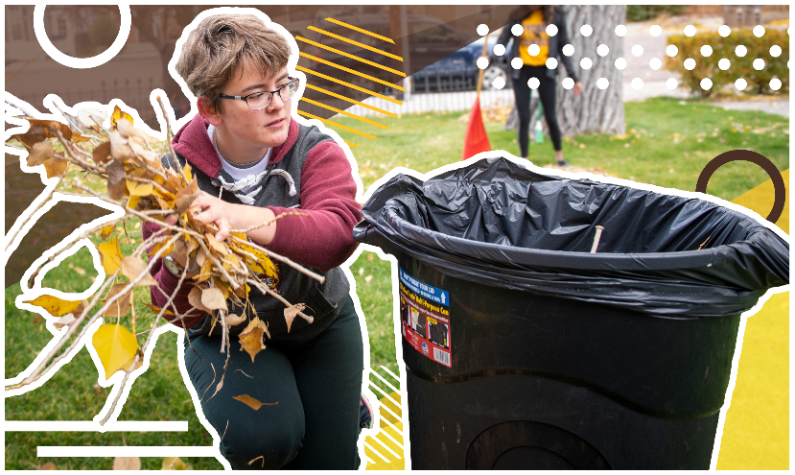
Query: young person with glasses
pixel 253 161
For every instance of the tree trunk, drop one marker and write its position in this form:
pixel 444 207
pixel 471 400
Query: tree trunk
pixel 595 110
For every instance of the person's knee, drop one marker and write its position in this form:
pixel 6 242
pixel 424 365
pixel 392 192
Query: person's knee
pixel 258 447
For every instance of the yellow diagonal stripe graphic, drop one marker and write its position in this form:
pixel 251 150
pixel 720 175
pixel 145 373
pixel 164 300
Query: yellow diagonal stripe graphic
pixel 366 106
pixel 355 43
pixel 329 78
pixel 343 127
pixel 386 449
pixel 348 114
pixel 352 71
pixel 343 53
pixel 351 145
pixel 756 430
pixel 361 30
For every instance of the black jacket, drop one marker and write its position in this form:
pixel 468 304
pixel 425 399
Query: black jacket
pixel 556 44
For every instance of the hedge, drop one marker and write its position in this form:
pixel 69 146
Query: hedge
pixel 707 67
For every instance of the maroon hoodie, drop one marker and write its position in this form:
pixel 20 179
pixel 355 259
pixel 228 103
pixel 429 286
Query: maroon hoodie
pixel 322 239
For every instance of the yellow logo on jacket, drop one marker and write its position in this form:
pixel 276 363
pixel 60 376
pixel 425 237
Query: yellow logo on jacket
pixel 535 33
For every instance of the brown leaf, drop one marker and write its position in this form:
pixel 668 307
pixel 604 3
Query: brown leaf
pixel 48 466
pixel 101 153
pixel 180 253
pixel 77 138
pixel 132 268
pixel 201 255
pixel 119 148
pixel 183 202
pixel 157 310
pixel 216 245
pixel 232 320
pixel 126 463
pixel 64 321
pixel 116 183
pixel 195 299
pixel 219 284
pixel 122 305
pixel 291 312
pixel 251 338
pixel 41 152
pixel 55 167
pixel 252 402
pixel 213 298
pixel 50 126
pixel 173 183
pixel 33 136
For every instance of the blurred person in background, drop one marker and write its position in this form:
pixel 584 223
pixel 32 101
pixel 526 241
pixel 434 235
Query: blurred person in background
pixel 534 47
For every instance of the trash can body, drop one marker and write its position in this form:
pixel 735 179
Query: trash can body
pixel 524 351
pixel 540 382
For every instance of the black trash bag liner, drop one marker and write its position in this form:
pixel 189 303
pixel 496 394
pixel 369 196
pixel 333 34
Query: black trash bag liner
pixel 497 223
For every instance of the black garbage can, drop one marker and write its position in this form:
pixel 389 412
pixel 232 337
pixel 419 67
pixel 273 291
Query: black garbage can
pixel 524 350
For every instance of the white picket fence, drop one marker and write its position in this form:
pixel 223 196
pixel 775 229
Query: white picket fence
pixel 436 102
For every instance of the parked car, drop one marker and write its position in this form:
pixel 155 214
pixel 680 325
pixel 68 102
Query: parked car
pixel 460 71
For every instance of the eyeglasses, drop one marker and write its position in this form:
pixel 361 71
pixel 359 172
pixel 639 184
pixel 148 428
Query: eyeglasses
pixel 262 99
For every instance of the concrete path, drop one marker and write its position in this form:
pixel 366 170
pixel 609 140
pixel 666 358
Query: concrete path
pixel 779 106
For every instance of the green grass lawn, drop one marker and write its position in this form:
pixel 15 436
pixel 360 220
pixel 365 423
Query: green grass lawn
pixel 667 144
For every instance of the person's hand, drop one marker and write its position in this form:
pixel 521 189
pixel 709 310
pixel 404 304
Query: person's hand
pixel 227 216
pixel 577 88
pixel 217 211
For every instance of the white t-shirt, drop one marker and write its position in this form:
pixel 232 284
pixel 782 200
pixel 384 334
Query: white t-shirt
pixel 246 177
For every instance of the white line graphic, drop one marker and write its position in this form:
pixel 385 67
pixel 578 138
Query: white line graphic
pixel 91 426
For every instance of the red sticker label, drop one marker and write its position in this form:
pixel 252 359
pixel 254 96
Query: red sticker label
pixel 425 319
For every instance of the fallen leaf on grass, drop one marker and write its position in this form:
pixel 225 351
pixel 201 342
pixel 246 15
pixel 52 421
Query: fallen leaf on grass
pixel 48 466
pixel 126 463
pixel 174 463
pixel 116 348
pixel 55 306
pixel 252 402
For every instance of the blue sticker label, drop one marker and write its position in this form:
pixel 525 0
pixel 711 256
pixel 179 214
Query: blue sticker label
pixel 424 290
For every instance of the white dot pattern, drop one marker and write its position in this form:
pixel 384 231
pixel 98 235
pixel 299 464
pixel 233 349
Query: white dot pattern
pixel 602 50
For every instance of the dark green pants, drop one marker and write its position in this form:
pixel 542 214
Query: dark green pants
pixel 317 385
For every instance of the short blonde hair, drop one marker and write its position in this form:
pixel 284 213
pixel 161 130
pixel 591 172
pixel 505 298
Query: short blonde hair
pixel 220 44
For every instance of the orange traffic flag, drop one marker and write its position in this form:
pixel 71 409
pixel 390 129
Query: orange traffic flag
pixel 475 139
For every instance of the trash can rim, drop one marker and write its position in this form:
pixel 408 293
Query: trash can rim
pixel 566 259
